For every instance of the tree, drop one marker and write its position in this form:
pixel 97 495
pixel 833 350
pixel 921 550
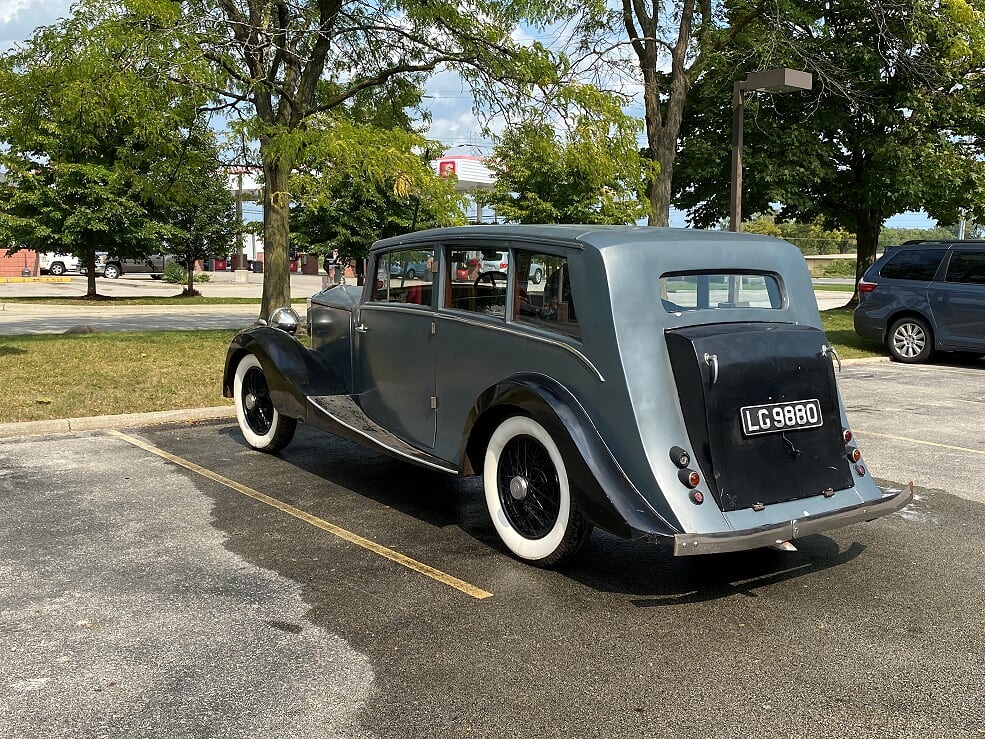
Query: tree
pixel 894 123
pixel 85 114
pixel 672 44
pixel 590 173
pixel 270 57
pixel 195 204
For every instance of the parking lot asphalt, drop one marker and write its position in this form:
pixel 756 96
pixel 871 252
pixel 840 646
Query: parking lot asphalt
pixel 168 581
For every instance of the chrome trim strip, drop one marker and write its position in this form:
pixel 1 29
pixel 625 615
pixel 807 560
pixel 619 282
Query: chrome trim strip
pixel 507 329
pixel 765 536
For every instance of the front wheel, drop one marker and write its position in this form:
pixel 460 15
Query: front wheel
pixel 910 340
pixel 538 276
pixel 528 495
pixel 263 427
pixel 111 271
pixel 57 269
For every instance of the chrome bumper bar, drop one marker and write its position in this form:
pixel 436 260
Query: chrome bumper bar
pixel 774 534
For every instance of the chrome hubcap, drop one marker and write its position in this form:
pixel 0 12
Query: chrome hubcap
pixel 250 401
pixel 519 487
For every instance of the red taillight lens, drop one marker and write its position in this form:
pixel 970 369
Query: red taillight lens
pixel 860 470
pixel 866 287
pixel 697 497
pixel 503 266
pixel 847 435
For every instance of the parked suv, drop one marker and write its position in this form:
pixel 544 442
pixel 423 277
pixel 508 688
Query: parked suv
pixel 113 267
pixel 923 297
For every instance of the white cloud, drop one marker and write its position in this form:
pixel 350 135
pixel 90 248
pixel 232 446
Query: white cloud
pixel 19 18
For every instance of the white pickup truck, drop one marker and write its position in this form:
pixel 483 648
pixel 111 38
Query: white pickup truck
pixel 57 264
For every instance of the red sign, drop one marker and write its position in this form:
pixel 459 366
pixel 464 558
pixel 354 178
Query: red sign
pixel 446 167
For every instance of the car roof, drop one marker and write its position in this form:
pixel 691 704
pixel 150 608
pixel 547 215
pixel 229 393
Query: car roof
pixel 583 236
pixel 939 243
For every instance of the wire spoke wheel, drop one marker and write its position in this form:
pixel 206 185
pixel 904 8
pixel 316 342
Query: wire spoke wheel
pixel 528 487
pixel 528 495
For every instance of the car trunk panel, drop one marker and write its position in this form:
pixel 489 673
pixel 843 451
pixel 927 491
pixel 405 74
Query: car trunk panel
pixel 722 368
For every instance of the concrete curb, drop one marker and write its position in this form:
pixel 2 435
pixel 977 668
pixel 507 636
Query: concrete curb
pixel 122 420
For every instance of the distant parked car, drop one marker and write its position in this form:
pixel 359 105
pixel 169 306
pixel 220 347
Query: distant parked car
pixel 500 262
pixel 923 297
pixel 57 264
pixel 410 270
pixel 154 265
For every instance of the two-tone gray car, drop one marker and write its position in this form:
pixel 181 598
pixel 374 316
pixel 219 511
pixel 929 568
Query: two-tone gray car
pixel 661 384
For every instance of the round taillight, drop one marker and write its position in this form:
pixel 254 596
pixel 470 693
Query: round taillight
pixel 680 457
pixel 689 478
pixel 697 497
pixel 855 455
pixel 847 435
pixel 860 470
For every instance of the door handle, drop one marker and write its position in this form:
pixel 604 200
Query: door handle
pixel 712 361
pixel 362 327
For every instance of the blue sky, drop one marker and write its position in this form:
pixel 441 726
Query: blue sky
pixel 452 120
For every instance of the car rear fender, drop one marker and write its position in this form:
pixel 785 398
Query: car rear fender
pixel 293 371
pixel 602 489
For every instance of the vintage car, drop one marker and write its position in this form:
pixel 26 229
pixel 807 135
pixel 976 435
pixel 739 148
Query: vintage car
pixel 661 384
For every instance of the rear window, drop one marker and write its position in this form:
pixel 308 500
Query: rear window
pixel 704 291
pixel 913 264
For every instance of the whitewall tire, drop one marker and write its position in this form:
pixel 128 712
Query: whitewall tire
pixel 263 427
pixel 528 494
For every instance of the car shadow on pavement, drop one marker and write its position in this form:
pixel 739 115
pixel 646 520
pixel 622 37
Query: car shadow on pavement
pixel 646 572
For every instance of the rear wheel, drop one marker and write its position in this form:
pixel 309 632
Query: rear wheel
pixel 538 276
pixel 263 427
pixel 528 495
pixel 910 340
pixel 111 271
pixel 56 269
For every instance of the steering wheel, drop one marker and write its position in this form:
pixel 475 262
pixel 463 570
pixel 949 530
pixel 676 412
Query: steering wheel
pixel 490 277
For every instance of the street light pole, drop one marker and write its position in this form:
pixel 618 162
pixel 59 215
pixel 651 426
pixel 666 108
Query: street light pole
pixel 771 80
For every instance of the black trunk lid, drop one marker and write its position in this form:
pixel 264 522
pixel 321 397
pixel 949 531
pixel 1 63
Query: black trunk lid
pixel 721 369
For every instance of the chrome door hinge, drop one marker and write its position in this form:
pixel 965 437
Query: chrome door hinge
pixel 434 328
pixel 434 403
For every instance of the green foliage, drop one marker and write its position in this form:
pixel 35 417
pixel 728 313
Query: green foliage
pixel 593 174
pixel 892 124
pixel 178 275
pixel 810 238
pixel 88 115
pixel 840 268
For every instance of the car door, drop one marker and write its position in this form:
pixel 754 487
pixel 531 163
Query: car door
pixel 395 349
pixel 958 301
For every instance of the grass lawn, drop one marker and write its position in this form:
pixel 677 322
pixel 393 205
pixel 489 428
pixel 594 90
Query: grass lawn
pixel 73 375
pixel 834 287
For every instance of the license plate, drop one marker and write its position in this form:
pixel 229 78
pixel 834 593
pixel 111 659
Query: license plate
pixel 777 417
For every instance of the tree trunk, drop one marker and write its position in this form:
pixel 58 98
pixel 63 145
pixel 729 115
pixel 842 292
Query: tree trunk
pixel 90 264
pixel 190 265
pixel 868 224
pixel 661 191
pixel 276 231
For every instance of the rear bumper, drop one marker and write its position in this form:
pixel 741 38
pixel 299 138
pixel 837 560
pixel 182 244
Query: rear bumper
pixel 765 536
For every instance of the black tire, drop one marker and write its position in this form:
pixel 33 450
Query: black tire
pixel 528 495
pixel 112 271
pixel 538 276
pixel 264 428
pixel 57 269
pixel 411 274
pixel 910 340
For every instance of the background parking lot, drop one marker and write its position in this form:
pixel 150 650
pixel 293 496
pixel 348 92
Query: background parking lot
pixel 144 598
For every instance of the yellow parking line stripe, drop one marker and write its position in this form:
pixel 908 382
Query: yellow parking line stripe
pixel 372 546
pixel 919 441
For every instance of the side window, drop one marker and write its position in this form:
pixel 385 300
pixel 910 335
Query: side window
pixel 542 293
pixel 405 277
pixel 474 283
pixel 967 267
pixel 913 264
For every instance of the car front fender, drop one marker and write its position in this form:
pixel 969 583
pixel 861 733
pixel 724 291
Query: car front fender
pixel 293 371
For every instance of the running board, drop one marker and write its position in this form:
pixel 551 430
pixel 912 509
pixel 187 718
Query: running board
pixel 342 416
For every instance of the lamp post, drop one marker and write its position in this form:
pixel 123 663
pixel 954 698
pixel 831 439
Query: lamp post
pixel 771 80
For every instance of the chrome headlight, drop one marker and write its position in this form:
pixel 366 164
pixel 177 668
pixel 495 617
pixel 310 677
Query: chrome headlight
pixel 286 319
